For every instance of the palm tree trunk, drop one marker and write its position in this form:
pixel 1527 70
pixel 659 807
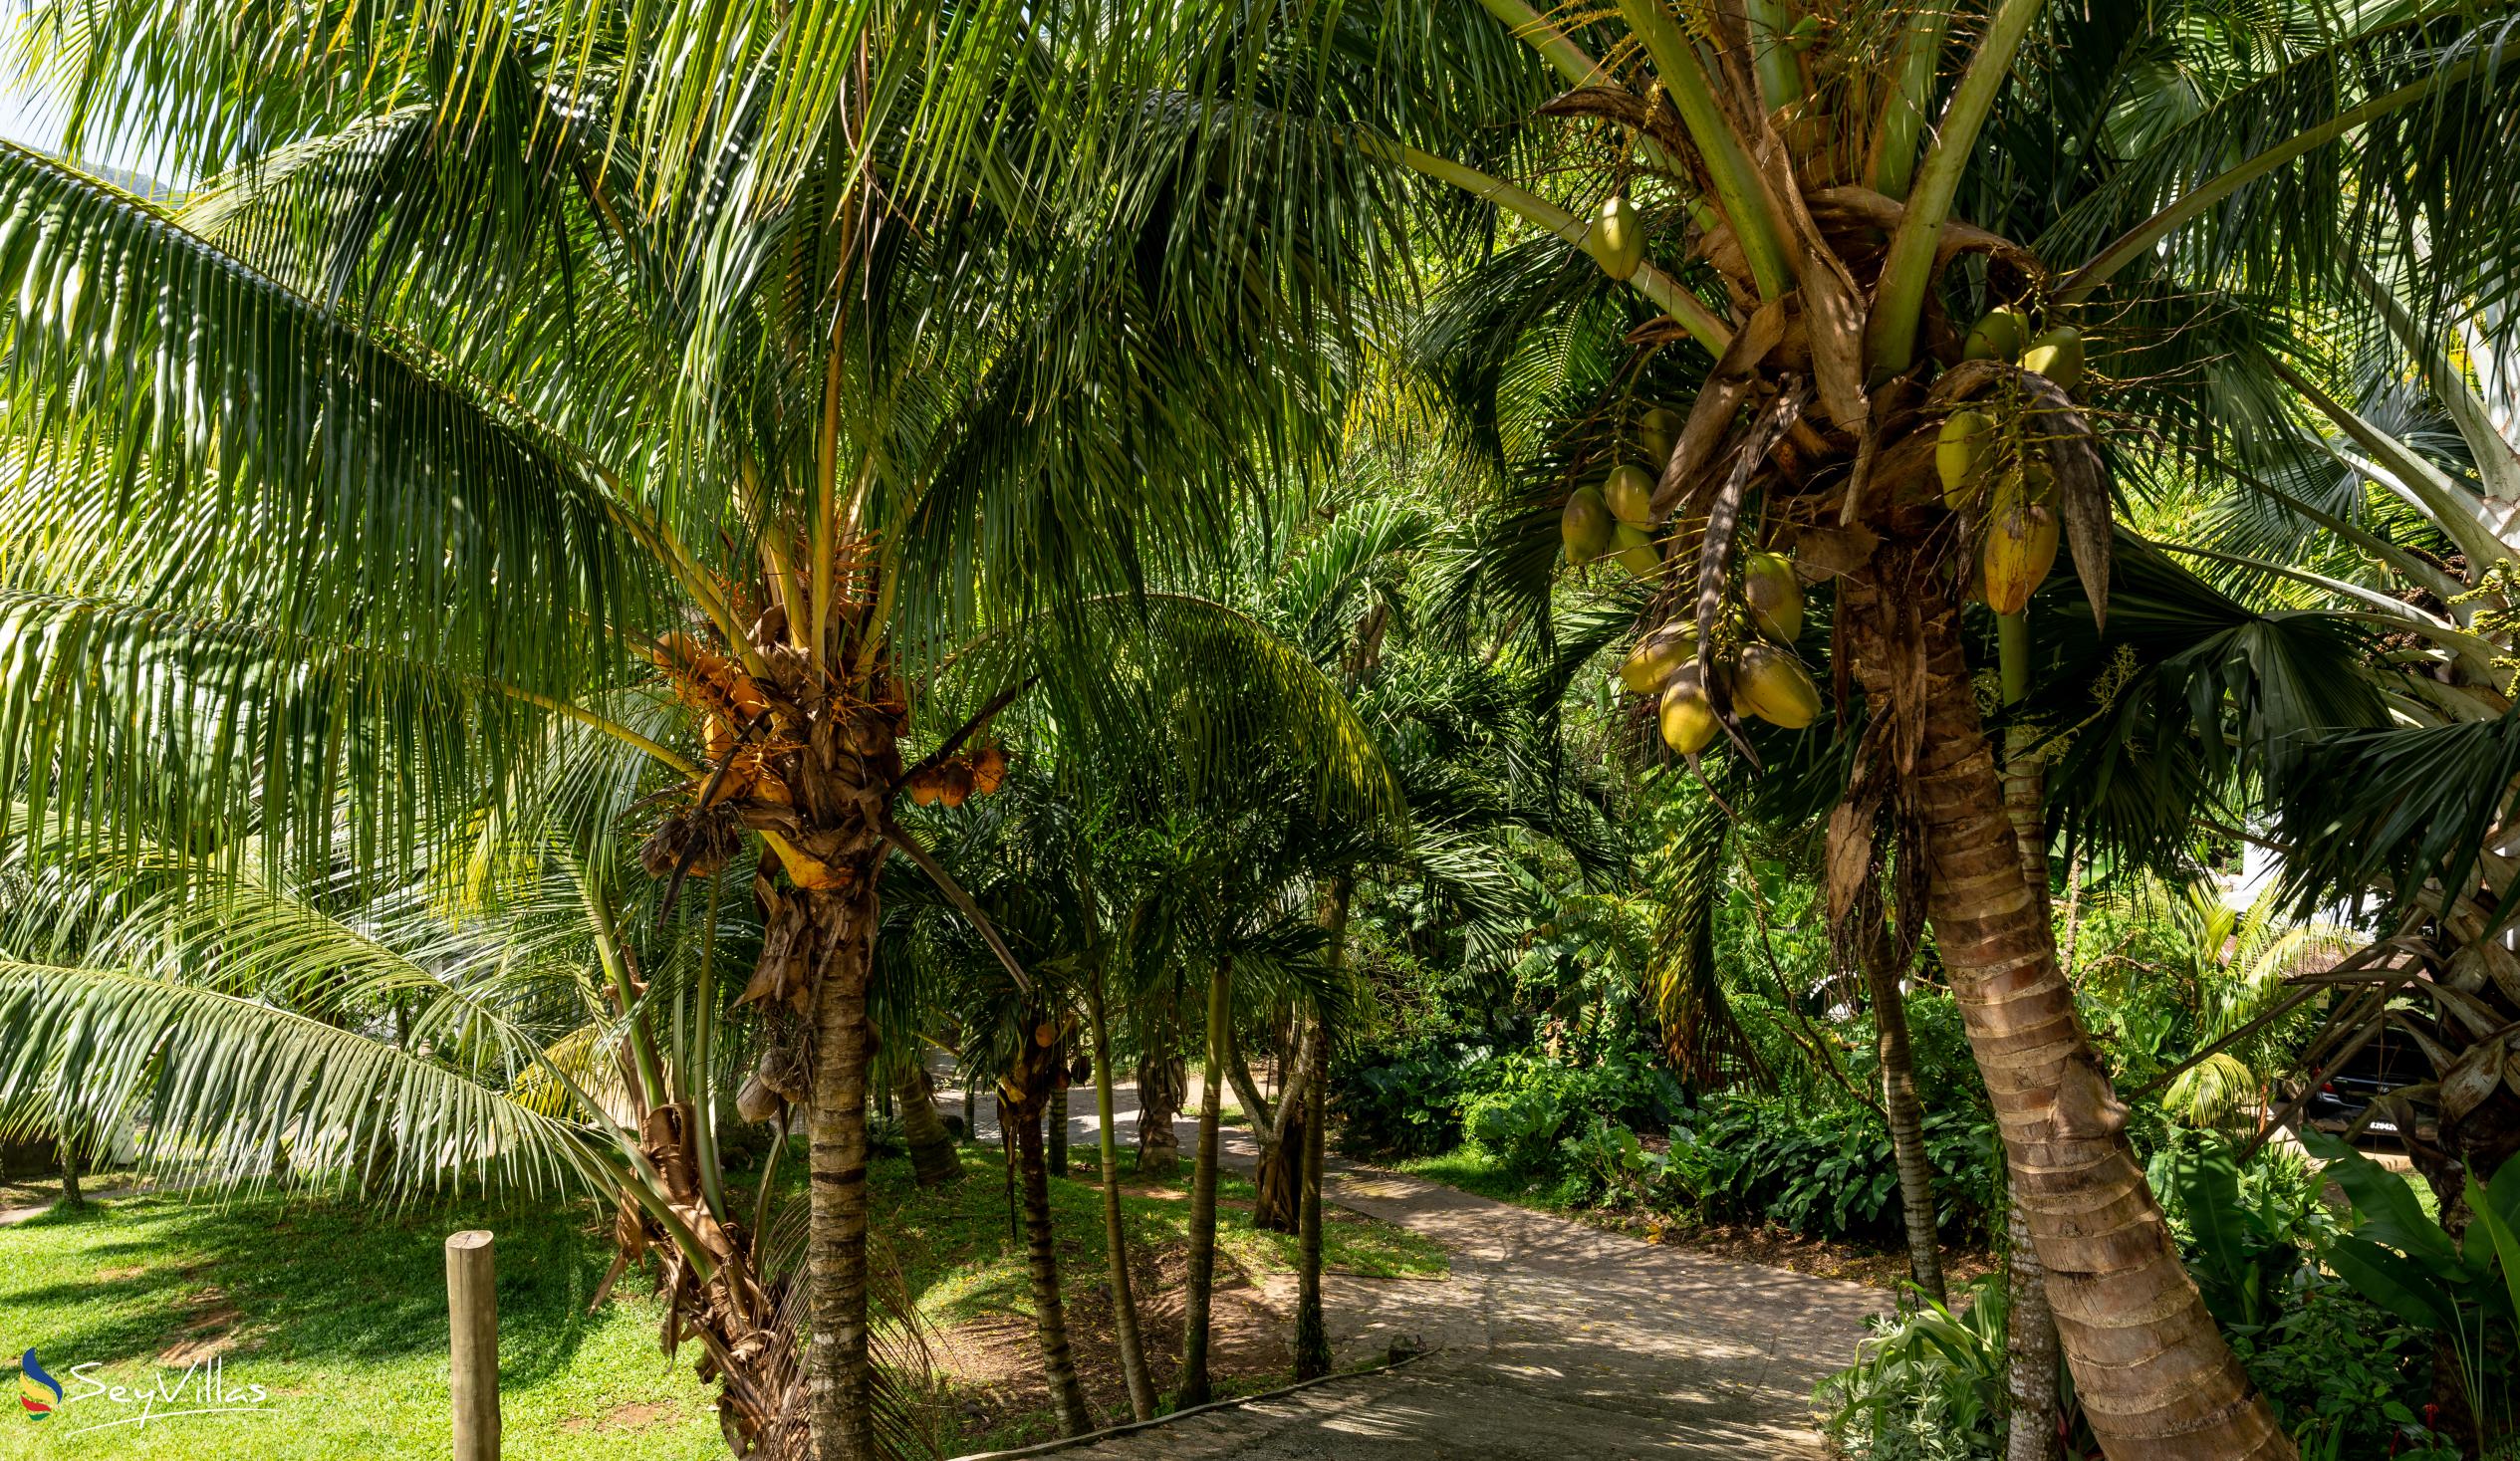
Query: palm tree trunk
pixel 1055 1112
pixel 1058 1364
pixel 1278 1175
pixel 1133 1359
pixel 2030 1339
pixel 1312 1333
pixel 1202 1279
pixel 1900 1103
pixel 70 1196
pixel 1163 1076
pixel 2030 1343
pixel 932 1155
pixel 2150 1368
pixel 836 1363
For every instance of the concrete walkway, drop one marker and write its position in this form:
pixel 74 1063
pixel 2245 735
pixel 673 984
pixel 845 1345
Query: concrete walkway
pixel 1552 1342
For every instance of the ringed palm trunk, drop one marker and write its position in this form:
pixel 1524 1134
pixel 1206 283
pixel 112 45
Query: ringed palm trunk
pixel 70 1196
pixel 1163 1078
pixel 1041 1255
pixel 2032 1432
pixel 1132 1357
pixel 1900 1102
pixel 932 1155
pixel 2153 1371
pixel 1278 1175
pixel 1311 1333
pixel 836 1363
pixel 1202 1283
pixel 1056 1110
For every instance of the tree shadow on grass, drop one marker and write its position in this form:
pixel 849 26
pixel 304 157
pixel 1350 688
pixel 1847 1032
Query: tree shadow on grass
pixel 298 1278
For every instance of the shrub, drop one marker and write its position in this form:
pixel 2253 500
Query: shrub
pixel 1927 1386
pixel 1829 1172
pixel 1407 1101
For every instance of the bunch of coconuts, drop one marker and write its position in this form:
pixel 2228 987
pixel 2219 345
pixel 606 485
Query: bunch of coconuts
pixel 1615 518
pixel 1754 640
pixel 1752 652
pixel 1989 461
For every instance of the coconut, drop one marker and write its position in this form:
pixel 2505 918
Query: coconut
pixel 1628 490
pixel 1998 334
pixel 2021 544
pixel 1617 238
pixel 1960 454
pixel 1688 717
pixel 2058 354
pixel 1803 34
pixel 1634 547
pixel 1772 685
pixel 1586 525
pixel 1775 598
pixel 1659 430
pixel 1658 655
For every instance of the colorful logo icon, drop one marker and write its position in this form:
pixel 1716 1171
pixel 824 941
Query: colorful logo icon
pixel 39 1392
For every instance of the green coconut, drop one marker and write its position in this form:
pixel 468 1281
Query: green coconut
pixel 1772 685
pixel 1629 492
pixel 1659 430
pixel 2058 354
pixel 1803 34
pixel 1617 238
pixel 1960 454
pixel 1687 716
pixel 1658 655
pixel 1586 525
pixel 1634 547
pixel 1998 334
pixel 1774 595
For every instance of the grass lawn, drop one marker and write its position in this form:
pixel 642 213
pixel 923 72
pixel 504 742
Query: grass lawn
pixel 340 1313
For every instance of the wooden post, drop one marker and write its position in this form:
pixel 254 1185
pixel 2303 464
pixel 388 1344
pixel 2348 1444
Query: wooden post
pixel 472 1302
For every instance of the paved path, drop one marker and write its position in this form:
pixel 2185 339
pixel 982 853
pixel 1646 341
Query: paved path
pixel 1552 1342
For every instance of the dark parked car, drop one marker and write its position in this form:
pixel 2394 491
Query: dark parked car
pixel 2391 1062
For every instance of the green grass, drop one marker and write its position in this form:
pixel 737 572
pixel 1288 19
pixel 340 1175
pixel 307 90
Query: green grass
pixel 1473 1169
pixel 340 1313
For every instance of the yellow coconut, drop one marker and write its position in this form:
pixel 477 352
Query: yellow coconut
pixel 1688 717
pixel 1628 490
pixel 1659 430
pixel 1772 685
pixel 1998 334
pixel 1617 238
pixel 1775 596
pixel 2021 544
pixel 1635 550
pixel 2058 354
pixel 1960 453
pixel 1586 525
pixel 1658 655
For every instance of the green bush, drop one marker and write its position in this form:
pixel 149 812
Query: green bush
pixel 1829 1172
pixel 1407 1101
pixel 1425 1098
pixel 1927 1385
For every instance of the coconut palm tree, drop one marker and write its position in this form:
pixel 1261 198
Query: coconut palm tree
pixel 510 376
pixel 1769 183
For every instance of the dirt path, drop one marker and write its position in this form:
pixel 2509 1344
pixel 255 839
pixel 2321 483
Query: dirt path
pixel 1552 1342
